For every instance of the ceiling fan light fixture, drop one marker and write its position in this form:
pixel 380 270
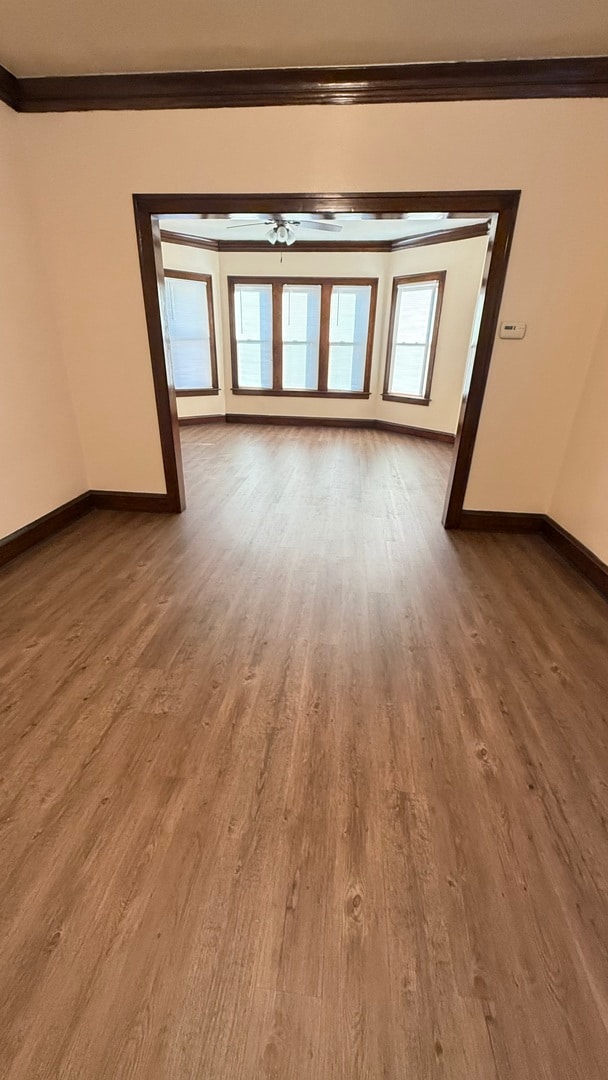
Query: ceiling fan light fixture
pixel 282 233
pixel 291 235
pixel 271 235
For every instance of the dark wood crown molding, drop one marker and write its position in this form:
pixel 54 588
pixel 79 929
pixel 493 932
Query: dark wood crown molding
pixel 9 89
pixel 471 80
pixel 445 236
pixel 168 236
pixel 306 245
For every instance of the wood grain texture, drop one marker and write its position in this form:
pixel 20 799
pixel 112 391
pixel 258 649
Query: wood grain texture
pixel 300 785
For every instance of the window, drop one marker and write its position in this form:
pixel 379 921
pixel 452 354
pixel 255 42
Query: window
pixel 190 329
pixel 301 324
pixel 348 324
pixel 253 334
pixel 412 342
pixel 302 336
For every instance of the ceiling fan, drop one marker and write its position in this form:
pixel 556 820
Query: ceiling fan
pixel 285 232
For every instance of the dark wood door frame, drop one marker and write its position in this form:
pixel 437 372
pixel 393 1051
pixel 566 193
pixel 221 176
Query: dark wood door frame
pixel 463 203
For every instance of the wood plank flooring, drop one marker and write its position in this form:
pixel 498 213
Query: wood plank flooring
pixel 298 786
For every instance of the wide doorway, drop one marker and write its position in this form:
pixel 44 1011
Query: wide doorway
pixel 374 312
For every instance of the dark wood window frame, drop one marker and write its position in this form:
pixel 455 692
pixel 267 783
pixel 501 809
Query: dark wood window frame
pixel 327 284
pixel 412 279
pixel 201 391
pixel 502 204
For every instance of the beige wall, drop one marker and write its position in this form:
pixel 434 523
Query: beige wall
pixel 580 500
pixel 84 167
pixel 464 262
pixel 180 257
pixel 42 463
pixel 305 264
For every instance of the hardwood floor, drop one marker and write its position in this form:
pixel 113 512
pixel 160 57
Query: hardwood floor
pixel 299 786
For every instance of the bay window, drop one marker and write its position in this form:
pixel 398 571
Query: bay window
pixel 301 336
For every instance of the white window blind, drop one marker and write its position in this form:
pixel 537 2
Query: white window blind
pixel 415 308
pixel 348 330
pixel 189 333
pixel 301 311
pixel 253 331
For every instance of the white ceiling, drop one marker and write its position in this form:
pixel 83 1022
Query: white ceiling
pixel 67 37
pixel 353 229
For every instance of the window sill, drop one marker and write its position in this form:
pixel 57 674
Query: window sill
pixel 204 392
pixel 302 393
pixel 407 400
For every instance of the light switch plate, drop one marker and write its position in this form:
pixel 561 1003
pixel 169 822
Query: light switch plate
pixel 513 329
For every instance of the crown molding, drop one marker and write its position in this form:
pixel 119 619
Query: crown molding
pixel 446 236
pixel 9 89
pixel 470 80
pixel 442 236
pixel 306 245
pixel 168 236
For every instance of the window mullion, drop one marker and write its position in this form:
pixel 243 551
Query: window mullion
pixel 326 288
pixel 277 335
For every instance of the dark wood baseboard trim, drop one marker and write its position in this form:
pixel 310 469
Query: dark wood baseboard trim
pixel 572 550
pixel 500 521
pixel 213 418
pixel 141 501
pixel 575 553
pixel 27 537
pixel 208 391
pixel 339 421
pixel 19 541
pixel 417 432
pixel 477 80
pixel 297 421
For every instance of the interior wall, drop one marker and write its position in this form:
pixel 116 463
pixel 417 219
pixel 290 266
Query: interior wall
pixel 293 263
pixel 84 167
pixel 200 261
pixel 580 500
pixel 463 260
pixel 42 462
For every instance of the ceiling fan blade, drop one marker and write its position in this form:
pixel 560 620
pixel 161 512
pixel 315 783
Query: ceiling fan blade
pixel 247 224
pixel 326 226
